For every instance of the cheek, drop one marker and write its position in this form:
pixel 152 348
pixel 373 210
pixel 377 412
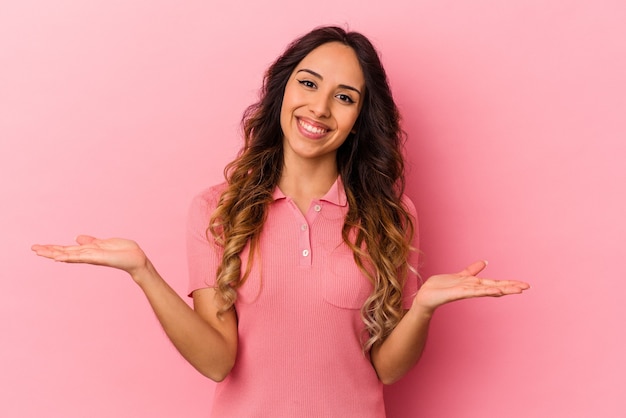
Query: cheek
pixel 284 119
pixel 285 110
pixel 349 118
pixel 290 101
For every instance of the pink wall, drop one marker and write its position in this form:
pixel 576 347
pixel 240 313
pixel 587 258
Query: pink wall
pixel 114 114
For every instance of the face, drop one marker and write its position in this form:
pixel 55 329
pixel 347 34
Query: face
pixel 323 98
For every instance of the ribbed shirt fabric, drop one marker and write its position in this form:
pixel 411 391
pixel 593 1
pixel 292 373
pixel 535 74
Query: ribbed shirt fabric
pixel 299 324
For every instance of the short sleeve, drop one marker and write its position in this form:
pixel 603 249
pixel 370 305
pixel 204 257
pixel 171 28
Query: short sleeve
pixel 203 254
pixel 411 284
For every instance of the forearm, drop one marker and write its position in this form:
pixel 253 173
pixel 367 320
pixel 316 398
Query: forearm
pixel 403 347
pixel 202 345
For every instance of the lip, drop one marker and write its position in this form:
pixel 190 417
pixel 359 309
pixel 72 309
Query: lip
pixel 310 134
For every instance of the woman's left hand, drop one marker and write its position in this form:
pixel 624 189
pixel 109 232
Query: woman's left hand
pixel 444 288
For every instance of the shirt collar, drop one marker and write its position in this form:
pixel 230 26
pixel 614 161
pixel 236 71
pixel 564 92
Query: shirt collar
pixel 335 195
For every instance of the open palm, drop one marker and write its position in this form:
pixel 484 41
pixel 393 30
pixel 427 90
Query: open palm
pixel 119 253
pixel 444 288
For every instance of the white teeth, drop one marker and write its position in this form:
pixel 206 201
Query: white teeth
pixel 311 128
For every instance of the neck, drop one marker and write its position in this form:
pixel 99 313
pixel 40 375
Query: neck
pixel 305 182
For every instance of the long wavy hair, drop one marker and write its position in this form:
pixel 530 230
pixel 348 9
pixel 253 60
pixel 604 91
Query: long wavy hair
pixel 378 227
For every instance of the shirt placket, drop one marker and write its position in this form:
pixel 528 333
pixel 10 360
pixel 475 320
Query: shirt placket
pixel 304 231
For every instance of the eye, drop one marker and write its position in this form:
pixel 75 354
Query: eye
pixel 307 83
pixel 345 98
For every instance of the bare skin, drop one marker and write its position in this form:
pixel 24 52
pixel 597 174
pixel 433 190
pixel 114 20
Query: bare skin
pixel 210 344
pixel 403 348
pixel 321 103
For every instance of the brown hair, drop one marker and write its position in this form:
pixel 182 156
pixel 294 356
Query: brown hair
pixel 371 167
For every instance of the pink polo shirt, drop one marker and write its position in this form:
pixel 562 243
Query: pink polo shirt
pixel 299 314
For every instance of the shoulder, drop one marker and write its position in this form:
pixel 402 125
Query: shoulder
pixel 409 205
pixel 205 202
pixel 209 197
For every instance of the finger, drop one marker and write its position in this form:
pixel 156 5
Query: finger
pixel 49 248
pixel 78 254
pixel 474 268
pixel 43 250
pixel 501 290
pixel 72 254
pixel 39 247
pixel 46 247
pixel 85 239
pixel 503 283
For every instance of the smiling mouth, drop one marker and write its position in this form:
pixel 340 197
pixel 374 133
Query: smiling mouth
pixel 315 130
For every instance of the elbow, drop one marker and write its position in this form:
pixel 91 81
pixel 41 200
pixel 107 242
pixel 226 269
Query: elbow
pixel 217 372
pixel 217 377
pixel 387 373
pixel 386 376
pixel 389 380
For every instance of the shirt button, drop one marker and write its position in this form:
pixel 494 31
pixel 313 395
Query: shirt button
pixel 304 227
pixel 305 253
pixel 317 208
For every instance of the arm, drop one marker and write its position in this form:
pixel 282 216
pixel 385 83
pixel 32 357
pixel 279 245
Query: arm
pixel 395 356
pixel 208 343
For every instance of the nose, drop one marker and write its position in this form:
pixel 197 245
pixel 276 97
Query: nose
pixel 319 106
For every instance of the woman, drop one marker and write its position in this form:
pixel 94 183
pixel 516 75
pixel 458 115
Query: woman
pixel 303 263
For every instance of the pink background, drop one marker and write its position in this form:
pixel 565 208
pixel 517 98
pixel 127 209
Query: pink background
pixel 114 114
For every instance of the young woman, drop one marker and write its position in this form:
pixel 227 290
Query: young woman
pixel 303 263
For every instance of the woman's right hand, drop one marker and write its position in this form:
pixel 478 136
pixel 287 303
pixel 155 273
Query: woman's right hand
pixel 207 342
pixel 118 253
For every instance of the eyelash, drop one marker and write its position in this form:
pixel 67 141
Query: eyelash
pixel 307 83
pixel 343 97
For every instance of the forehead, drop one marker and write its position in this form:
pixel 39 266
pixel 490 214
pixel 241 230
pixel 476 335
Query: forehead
pixel 336 63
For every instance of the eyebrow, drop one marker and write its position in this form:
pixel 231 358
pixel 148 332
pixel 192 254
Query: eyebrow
pixel 343 86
